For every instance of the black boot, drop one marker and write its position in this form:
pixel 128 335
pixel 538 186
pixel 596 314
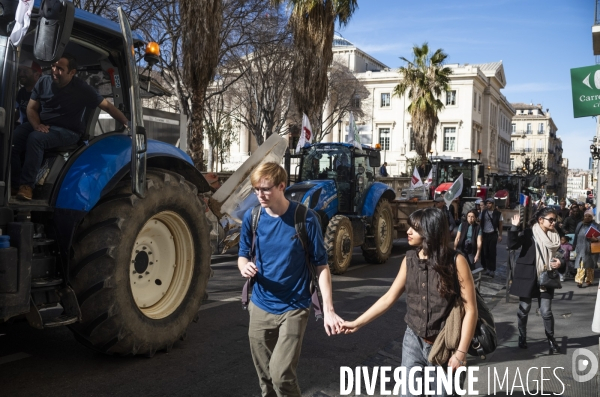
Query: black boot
pixel 552 343
pixel 522 342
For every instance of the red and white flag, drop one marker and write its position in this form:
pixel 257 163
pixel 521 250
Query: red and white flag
pixel 429 177
pixel 415 181
pixel 305 134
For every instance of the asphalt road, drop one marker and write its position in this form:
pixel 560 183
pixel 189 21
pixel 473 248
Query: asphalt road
pixel 214 360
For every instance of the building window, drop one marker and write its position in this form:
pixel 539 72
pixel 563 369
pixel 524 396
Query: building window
pixel 384 138
pixel 451 98
pixel 479 108
pixel 449 139
pixel 474 100
pixel 512 164
pixel 385 100
pixel 412 140
pixel 513 128
pixel 541 128
pixel 540 147
pixel 355 103
pixel 512 146
pixel 528 128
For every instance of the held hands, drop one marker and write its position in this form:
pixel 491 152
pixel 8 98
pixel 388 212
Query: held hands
pixel 515 220
pixel 332 322
pixel 555 263
pixel 500 237
pixel 349 327
pixel 249 270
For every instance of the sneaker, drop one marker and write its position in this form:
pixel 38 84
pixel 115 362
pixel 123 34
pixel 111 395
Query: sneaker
pixel 25 193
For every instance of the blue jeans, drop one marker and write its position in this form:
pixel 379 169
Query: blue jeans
pixel 415 353
pixel 28 150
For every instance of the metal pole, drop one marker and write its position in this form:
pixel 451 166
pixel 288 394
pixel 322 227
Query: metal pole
pixel 597 171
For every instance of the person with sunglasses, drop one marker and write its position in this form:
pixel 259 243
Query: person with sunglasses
pixel 539 244
pixel 281 295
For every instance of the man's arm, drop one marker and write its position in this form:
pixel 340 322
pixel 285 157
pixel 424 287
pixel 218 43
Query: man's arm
pixel 500 229
pixel 331 321
pixel 33 116
pixel 110 109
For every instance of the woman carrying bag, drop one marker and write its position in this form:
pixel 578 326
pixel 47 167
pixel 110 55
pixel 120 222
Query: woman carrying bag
pixel 585 260
pixel 439 290
pixel 540 253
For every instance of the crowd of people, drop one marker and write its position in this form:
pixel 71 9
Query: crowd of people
pixel 441 304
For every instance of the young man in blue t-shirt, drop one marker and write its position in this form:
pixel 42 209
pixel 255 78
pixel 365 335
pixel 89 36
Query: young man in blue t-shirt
pixel 281 295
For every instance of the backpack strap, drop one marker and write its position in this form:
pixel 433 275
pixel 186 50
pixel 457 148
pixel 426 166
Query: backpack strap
pixel 302 232
pixel 250 282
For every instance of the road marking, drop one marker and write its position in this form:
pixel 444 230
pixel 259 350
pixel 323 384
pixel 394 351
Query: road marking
pixel 219 303
pixel 13 357
pixel 355 268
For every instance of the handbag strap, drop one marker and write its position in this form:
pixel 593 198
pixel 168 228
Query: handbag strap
pixel 540 252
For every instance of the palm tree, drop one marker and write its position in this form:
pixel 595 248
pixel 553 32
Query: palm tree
pixel 425 78
pixel 312 23
pixel 201 24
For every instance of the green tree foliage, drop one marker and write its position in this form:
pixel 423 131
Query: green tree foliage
pixel 425 78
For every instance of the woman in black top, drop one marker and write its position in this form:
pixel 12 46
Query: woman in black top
pixel 539 244
pixel 428 275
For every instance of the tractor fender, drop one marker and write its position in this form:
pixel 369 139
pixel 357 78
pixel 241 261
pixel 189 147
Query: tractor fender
pixel 95 170
pixel 377 191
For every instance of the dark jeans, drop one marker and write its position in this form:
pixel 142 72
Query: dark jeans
pixel 488 251
pixel 545 310
pixel 28 150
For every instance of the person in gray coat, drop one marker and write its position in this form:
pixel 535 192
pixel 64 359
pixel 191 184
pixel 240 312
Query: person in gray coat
pixel 585 261
pixel 539 244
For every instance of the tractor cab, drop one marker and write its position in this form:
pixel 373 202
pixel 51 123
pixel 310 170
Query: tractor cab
pixel 92 42
pixel 340 168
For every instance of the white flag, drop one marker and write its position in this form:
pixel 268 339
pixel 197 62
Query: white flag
pixel 353 136
pixel 454 191
pixel 22 20
pixel 429 179
pixel 305 134
pixel 415 181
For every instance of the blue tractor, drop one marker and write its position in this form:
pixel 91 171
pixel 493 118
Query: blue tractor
pixel 115 243
pixel 337 180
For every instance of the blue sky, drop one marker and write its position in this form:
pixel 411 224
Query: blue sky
pixel 537 41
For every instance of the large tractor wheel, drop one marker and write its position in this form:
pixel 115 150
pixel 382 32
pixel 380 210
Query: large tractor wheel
pixel 378 247
pixel 141 266
pixel 339 244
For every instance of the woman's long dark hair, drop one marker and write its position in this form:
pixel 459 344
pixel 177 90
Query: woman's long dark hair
pixel 432 225
pixel 541 213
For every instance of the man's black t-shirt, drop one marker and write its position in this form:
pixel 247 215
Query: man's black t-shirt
pixel 22 100
pixel 65 107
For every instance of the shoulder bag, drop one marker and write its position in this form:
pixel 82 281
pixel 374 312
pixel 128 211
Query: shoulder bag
pixel 548 278
pixel 484 340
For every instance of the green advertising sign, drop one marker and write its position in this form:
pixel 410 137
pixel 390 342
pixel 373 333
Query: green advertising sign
pixel 585 84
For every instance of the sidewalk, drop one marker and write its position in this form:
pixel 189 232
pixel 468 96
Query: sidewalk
pixel 573 310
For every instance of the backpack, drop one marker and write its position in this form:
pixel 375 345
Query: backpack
pixel 301 232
